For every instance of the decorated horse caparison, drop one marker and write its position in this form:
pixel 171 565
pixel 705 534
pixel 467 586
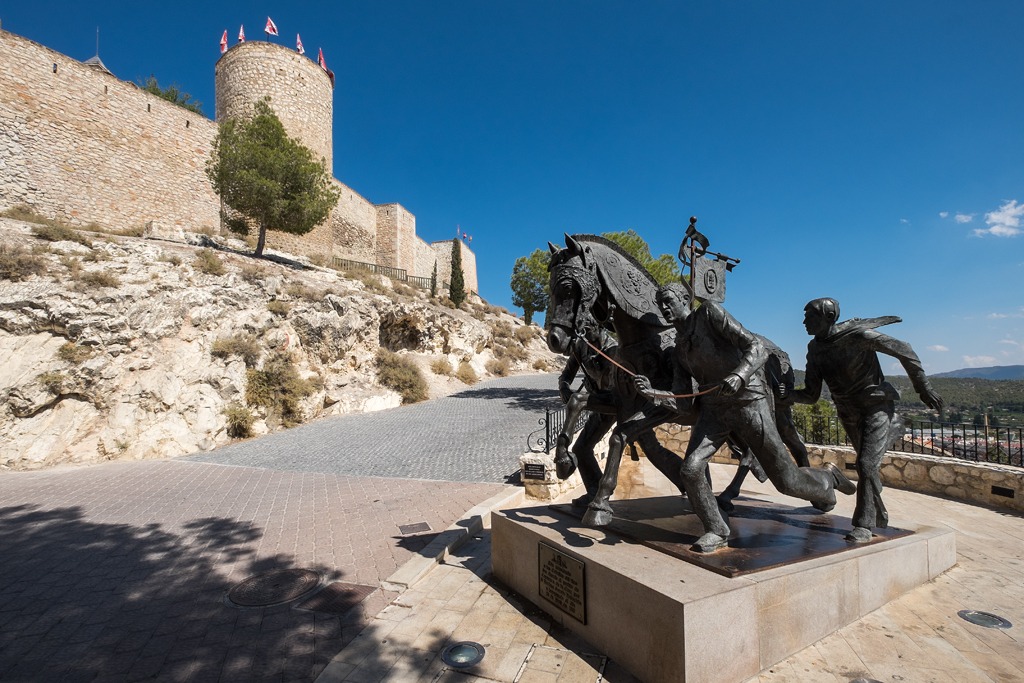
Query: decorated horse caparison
pixel 593 281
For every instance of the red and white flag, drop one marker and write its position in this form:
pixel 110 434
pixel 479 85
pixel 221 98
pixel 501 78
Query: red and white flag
pixel 298 45
pixel 241 34
pixel 271 28
pixel 224 42
pixel 323 65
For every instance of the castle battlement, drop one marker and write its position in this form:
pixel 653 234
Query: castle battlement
pixel 79 145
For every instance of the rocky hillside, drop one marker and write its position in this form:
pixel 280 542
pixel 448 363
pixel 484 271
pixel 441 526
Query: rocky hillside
pixel 125 347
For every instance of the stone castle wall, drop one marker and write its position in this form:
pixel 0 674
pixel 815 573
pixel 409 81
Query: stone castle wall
pixel 81 146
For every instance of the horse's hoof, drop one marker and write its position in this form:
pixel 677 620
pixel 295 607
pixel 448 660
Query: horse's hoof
pixel 582 501
pixel 710 542
pixel 597 517
pixel 859 535
pixel 565 468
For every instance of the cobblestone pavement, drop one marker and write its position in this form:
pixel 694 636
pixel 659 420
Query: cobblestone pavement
pixel 119 572
pixel 477 435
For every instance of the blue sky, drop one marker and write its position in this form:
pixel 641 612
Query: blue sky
pixel 868 151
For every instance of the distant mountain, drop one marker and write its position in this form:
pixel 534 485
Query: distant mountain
pixel 996 372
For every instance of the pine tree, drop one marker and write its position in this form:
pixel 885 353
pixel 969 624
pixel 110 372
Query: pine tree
pixel 457 287
pixel 269 178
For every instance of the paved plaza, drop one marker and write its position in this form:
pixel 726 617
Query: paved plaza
pixel 120 571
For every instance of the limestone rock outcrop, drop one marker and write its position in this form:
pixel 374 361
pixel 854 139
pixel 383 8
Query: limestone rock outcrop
pixel 118 347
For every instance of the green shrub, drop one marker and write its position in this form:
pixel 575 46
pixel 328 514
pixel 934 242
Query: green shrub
pixel 240 420
pixel 242 344
pixel 16 264
pixel 401 374
pixel 208 262
pixel 526 334
pixel 441 366
pixel 515 353
pixel 278 307
pixel 70 352
pixel 99 278
pixel 501 329
pixel 278 388
pixel 252 272
pixel 55 232
pixel 53 381
pixel 466 374
pixel 298 290
pixel 498 366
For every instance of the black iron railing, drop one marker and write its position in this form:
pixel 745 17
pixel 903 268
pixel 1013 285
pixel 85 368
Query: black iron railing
pixel 543 440
pixel 977 443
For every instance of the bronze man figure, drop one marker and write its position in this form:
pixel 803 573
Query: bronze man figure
pixel 844 356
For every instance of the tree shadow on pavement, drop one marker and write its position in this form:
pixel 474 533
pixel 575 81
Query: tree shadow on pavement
pixel 87 600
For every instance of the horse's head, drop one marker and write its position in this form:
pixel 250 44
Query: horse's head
pixel 574 292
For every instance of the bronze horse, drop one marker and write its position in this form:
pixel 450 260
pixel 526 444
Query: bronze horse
pixel 593 279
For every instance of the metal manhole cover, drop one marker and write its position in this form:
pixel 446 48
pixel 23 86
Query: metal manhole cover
pixel 274 588
pixel 337 598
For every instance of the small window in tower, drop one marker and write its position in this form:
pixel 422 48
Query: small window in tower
pixel 104 90
pixel 149 107
pixel 55 67
pixel 187 122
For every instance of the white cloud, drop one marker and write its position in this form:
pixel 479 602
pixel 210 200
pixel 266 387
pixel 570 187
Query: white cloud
pixel 1002 316
pixel 938 347
pixel 1009 342
pixel 963 218
pixel 978 361
pixel 943 214
pixel 904 221
pixel 1004 221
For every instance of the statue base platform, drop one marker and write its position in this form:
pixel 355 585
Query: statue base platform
pixel 638 593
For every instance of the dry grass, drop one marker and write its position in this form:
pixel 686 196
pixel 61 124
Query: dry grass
pixel 243 345
pixel 16 264
pixel 208 262
pixel 442 366
pixel 498 366
pixel 466 374
pixel 401 374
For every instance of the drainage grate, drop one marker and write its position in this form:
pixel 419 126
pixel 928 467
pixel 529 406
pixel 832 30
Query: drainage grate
pixel 337 598
pixel 417 528
pixel 274 588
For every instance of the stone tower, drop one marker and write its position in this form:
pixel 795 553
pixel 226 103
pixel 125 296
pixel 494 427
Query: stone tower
pixel 300 91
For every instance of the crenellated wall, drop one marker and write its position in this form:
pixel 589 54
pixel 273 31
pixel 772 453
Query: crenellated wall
pixel 79 145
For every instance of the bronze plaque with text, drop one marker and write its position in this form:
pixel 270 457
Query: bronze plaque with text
pixel 561 581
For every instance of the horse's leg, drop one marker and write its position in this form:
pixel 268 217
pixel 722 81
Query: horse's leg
pixel 664 460
pixel 565 463
pixel 590 470
pixel 600 512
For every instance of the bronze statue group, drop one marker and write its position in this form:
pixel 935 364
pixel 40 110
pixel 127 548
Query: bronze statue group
pixel 672 361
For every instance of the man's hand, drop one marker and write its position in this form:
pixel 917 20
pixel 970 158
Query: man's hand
pixel 932 400
pixel 731 384
pixel 643 385
pixel 564 390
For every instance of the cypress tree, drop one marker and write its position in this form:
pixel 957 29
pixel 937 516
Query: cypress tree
pixel 457 287
pixel 433 282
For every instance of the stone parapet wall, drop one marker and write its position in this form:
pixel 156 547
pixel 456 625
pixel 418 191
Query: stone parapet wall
pixel 80 146
pixel 975 482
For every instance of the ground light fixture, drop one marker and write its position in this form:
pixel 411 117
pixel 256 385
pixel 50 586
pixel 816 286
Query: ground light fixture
pixel 985 619
pixel 462 654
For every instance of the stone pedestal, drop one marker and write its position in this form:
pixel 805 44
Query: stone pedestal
pixel 668 619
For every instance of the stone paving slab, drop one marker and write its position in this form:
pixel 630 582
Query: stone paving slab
pixel 118 572
pixel 476 434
